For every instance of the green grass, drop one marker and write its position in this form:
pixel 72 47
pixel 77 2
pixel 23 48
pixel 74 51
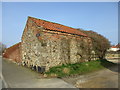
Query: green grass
pixel 79 68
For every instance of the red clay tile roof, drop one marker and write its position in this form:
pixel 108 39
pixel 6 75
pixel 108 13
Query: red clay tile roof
pixel 113 47
pixel 116 46
pixel 56 27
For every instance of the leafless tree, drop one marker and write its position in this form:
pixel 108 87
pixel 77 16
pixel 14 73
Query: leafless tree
pixel 2 48
pixel 100 43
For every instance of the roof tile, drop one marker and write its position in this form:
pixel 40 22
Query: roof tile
pixel 56 27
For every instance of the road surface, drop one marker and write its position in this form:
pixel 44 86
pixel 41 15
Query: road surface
pixel 21 77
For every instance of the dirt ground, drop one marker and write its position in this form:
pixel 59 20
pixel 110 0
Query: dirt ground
pixel 106 78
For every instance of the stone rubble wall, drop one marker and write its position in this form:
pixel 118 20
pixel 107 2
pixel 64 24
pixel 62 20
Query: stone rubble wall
pixel 52 48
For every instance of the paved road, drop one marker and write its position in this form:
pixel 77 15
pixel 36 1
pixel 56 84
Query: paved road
pixel 21 77
pixel 106 78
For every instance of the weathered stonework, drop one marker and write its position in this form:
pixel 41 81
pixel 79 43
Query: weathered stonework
pixel 45 44
pixel 46 48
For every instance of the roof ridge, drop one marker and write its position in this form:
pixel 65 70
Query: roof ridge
pixel 49 21
pixel 56 26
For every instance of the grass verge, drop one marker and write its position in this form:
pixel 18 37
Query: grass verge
pixel 78 68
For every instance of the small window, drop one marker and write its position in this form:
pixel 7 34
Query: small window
pixel 38 34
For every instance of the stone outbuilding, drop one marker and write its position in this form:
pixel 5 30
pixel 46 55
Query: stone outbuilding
pixel 47 44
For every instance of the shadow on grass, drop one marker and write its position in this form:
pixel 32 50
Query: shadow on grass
pixel 109 65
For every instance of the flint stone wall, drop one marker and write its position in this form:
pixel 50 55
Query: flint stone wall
pixel 42 47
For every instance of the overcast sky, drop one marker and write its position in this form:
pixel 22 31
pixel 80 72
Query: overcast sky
pixel 101 17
